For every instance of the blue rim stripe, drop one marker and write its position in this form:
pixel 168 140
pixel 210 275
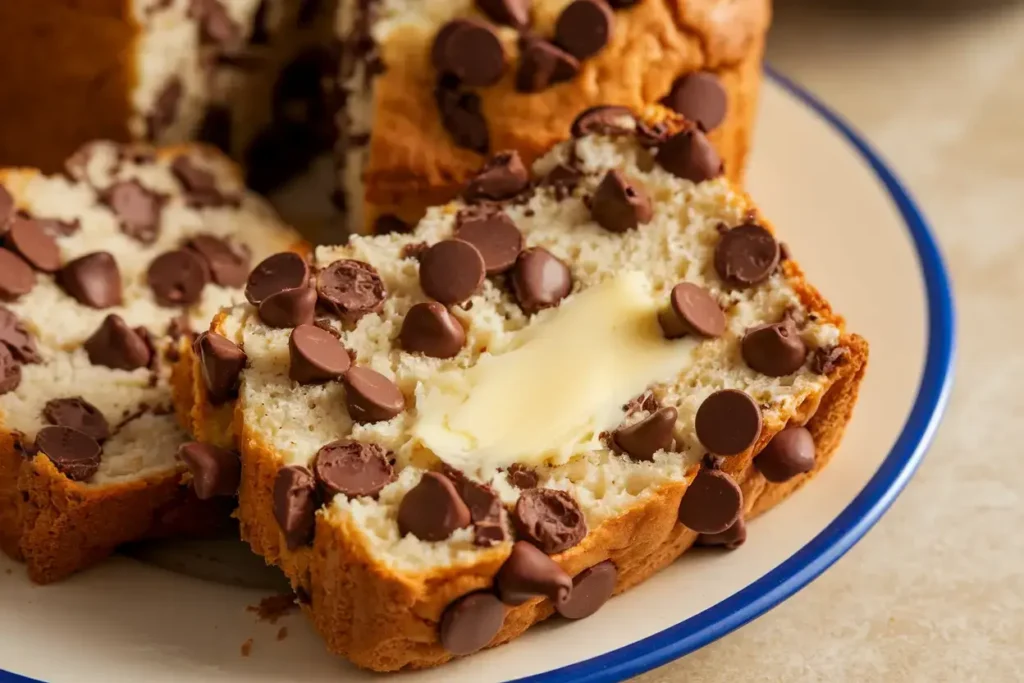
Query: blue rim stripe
pixel 858 517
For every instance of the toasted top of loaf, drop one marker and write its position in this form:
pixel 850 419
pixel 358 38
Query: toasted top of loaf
pixel 135 205
pixel 291 421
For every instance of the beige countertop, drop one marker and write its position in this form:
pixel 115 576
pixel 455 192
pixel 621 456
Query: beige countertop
pixel 935 592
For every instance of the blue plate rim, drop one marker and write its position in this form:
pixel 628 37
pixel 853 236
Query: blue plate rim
pixel 859 516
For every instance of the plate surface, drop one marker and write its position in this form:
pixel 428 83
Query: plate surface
pixel 861 241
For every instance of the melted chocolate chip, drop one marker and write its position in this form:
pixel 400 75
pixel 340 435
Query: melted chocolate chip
pixel 295 505
pixel 641 440
pixel 79 414
pixel 550 519
pixel 351 289
pixel 503 176
pixel 352 469
pixel 74 454
pixel 177 278
pixel 137 208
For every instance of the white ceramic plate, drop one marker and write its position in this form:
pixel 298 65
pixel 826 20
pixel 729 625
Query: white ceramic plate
pixel 863 243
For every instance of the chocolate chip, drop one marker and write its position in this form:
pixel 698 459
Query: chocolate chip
pixel 16 337
pixel 16 276
pixel 563 180
pixel 494 235
pixel 521 476
pixel 789 453
pixel 10 371
pixel 591 588
pixel 137 208
pixel 543 64
pixel 775 349
pixel 643 439
pixel 484 504
pixel 826 359
pixel 429 328
pixel 515 13
pixel 540 280
pixel 503 176
pixel 451 271
pixel 462 116
pixel 689 155
pixel 316 355
pixel 712 503
pixel 691 310
pixel 222 362
pixel 728 422
pixel 470 50
pixel 528 573
pixel 295 504
pixel 432 509
pixel 275 273
pixel 74 454
pixel 389 224
pixel 215 471
pixel 471 622
pixel 177 278
pixel 604 119
pixel 370 396
pixel 79 414
pixel 584 28
pixel 228 263
pixel 27 237
pixel 700 97
pixel 6 208
pixel 619 204
pixel 199 184
pixel 550 519
pixel 289 307
pixel 746 255
pixel 165 109
pixel 92 280
pixel 115 345
pixel 730 539
pixel 216 25
pixel 351 289
pixel 352 469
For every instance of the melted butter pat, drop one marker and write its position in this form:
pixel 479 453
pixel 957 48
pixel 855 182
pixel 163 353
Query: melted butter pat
pixel 560 383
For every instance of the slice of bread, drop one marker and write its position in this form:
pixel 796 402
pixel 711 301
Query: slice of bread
pixel 104 268
pixel 244 75
pixel 430 89
pixel 644 367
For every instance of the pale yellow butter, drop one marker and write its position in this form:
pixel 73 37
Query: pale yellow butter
pixel 560 384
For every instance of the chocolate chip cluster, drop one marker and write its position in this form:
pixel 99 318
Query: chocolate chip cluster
pixel 76 429
pixel 468 53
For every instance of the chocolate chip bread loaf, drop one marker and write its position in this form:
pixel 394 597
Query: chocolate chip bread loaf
pixel 101 269
pixel 544 394
pixel 430 89
pixel 242 74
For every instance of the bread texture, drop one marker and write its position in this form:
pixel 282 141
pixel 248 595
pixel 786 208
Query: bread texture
pixel 386 597
pixel 60 516
pixel 395 155
pixel 160 71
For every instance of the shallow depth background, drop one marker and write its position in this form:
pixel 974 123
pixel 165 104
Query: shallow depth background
pixel 936 591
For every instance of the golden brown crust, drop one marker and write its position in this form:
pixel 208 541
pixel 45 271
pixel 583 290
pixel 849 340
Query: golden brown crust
pixel 85 71
pixel 413 163
pixel 384 620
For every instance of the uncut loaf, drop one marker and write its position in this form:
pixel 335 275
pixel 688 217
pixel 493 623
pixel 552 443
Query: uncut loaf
pixel 544 394
pixel 430 89
pixel 102 268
